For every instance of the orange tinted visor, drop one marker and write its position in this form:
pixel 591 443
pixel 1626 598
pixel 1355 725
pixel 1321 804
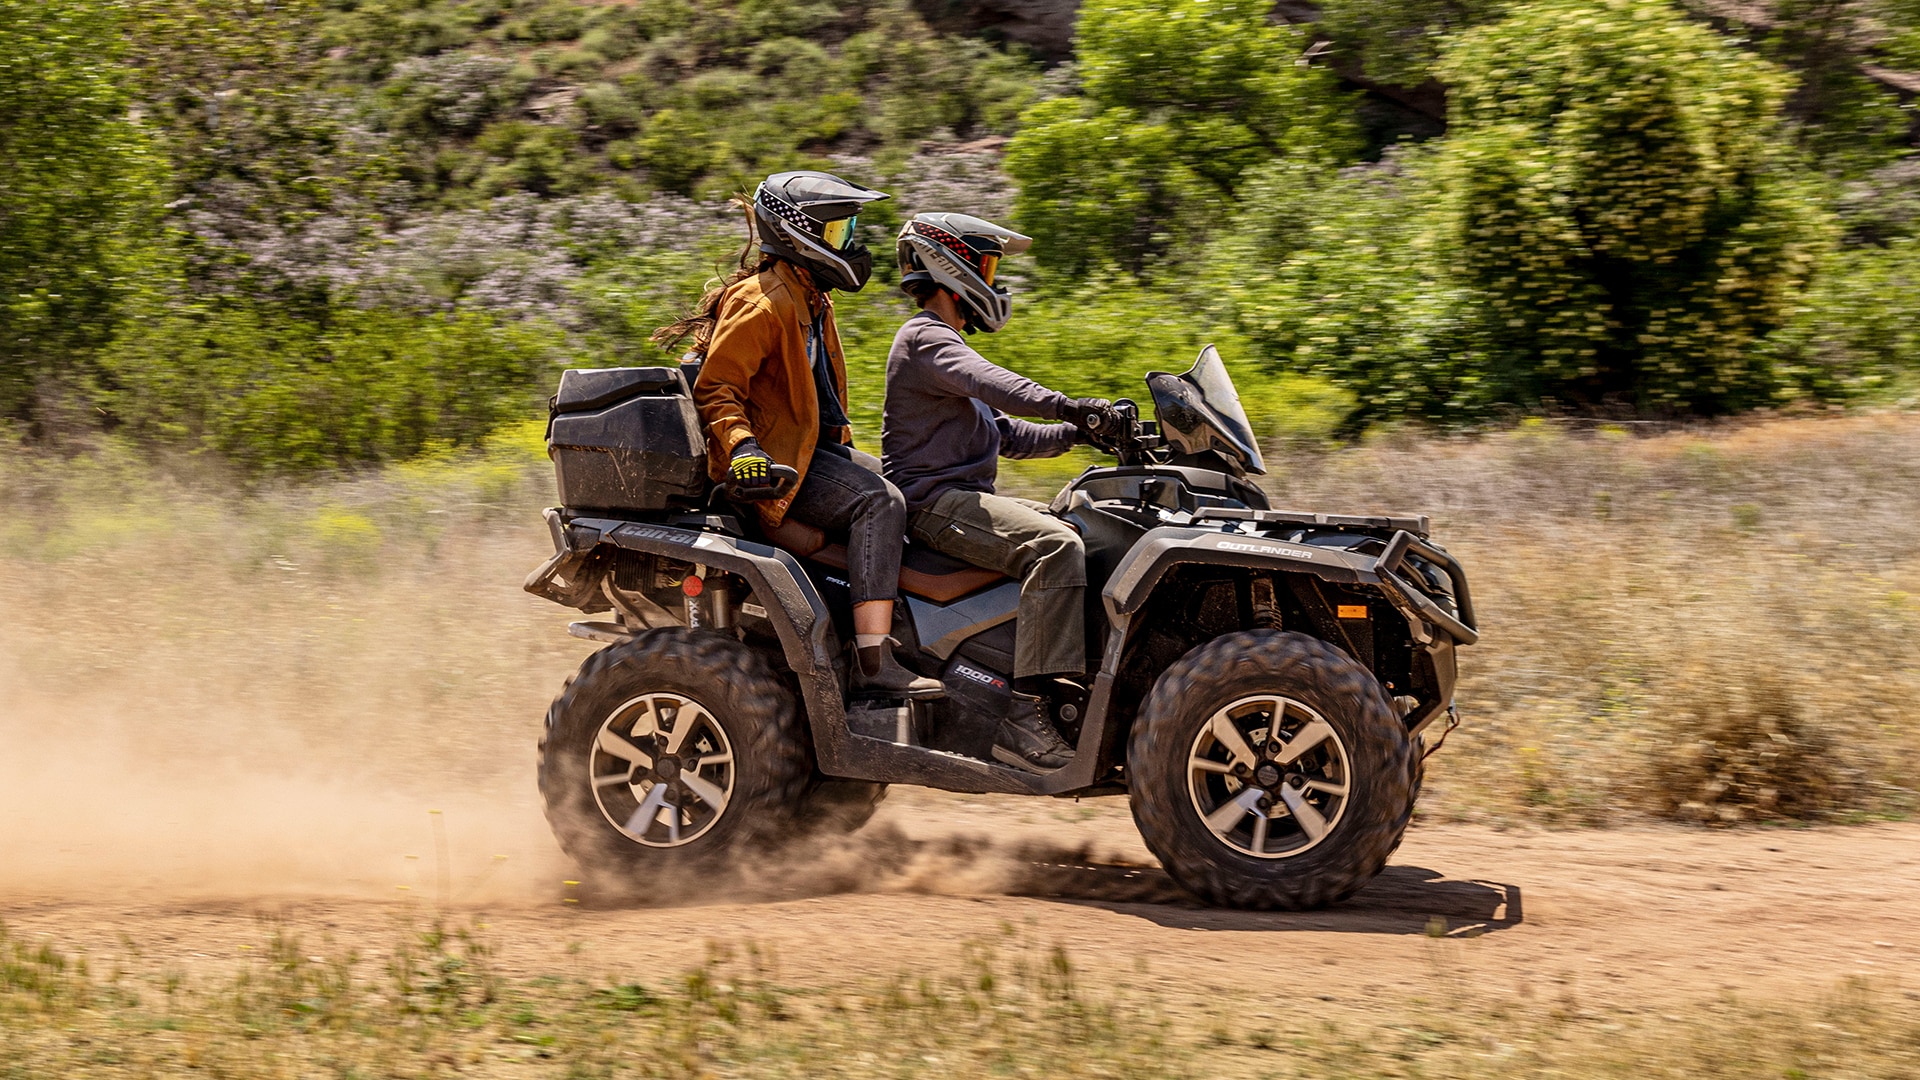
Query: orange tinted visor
pixel 989 262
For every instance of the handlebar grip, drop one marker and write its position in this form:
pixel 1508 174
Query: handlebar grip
pixel 784 478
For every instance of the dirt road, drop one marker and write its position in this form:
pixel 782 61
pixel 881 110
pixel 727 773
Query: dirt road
pixel 1621 917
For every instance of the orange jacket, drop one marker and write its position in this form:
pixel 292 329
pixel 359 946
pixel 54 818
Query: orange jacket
pixel 757 380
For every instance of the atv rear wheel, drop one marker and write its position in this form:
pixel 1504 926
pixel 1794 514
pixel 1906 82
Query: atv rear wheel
pixel 1268 771
pixel 673 749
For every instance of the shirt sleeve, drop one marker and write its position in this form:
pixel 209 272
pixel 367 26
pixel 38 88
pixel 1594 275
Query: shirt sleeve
pixel 954 367
pixel 1026 439
pixel 742 339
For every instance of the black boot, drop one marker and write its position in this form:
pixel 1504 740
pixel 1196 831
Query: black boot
pixel 1027 739
pixel 876 672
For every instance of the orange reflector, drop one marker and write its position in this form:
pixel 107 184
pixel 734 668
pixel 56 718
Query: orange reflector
pixel 1352 611
pixel 692 586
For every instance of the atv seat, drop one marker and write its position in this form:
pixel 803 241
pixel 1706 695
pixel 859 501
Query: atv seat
pixel 924 572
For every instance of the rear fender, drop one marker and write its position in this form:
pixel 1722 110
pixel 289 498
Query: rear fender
pixel 798 614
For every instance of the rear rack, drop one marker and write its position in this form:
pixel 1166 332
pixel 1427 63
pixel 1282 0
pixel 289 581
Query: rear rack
pixel 1418 526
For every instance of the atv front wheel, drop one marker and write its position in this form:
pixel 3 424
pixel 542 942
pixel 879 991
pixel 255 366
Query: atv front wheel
pixel 1268 771
pixel 673 749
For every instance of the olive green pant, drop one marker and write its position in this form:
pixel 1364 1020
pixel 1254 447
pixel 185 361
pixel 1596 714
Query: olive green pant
pixel 1019 539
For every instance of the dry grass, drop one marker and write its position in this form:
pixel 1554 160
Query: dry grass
pixel 1718 624
pixel 434 1004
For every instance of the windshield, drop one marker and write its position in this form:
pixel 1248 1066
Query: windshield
pixel 1201 411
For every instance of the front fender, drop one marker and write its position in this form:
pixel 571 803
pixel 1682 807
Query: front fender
pixel 1161 549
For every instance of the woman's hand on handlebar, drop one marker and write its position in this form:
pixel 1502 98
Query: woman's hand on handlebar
pixel 753 476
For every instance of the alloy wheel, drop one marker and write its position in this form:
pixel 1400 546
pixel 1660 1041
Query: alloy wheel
pixel 1269 776
pixel 662 769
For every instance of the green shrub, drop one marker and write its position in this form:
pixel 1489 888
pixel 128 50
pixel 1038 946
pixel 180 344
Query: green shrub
pixel 79 193
pixel 1399 41
pixel 1617 203
pixel 1857 332
pixel 607 108
pixel 1612 221
pixel 1340 278
pixel 273 392
pixel 675 150
pixel 1179 101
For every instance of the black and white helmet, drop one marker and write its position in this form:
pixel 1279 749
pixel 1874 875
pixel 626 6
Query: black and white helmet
pixel 808 218
pixel 961 253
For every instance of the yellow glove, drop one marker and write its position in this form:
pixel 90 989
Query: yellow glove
pixel 751 469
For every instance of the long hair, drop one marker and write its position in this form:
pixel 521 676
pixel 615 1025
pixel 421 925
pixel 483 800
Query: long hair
pixel 699 321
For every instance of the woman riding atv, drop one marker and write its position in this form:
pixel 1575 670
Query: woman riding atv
pixel 771 395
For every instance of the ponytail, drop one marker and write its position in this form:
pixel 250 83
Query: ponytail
pixel 699 321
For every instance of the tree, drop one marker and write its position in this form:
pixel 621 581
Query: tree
pixel 78 193
pixel 1619 207
pixel 1179 98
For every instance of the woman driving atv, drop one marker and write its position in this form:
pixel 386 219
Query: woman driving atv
pixel 771 395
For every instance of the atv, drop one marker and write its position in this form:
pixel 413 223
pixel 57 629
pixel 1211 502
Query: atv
pixel 1263 678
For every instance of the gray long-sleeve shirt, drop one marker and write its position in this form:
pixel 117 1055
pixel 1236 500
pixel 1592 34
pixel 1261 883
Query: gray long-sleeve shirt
pixel 946 424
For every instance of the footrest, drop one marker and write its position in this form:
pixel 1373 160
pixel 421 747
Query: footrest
pixel 891 720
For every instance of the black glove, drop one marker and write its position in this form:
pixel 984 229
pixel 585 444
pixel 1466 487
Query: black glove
pixel 750 469
pixel 1099 424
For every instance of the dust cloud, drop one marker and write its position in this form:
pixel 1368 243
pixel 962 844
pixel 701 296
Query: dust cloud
pixel 98 803
pixel 203 697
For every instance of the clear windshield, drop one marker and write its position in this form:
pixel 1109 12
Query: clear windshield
pixel 1200 411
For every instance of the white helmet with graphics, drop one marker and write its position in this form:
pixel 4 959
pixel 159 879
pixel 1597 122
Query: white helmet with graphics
pixel 961 254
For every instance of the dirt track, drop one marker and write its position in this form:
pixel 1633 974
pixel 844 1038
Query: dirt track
pixel 1621 917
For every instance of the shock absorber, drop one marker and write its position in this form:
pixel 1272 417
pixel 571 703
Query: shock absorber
pixel 1266 609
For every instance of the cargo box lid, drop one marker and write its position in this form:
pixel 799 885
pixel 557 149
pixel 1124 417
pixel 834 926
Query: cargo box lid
pixel 584 389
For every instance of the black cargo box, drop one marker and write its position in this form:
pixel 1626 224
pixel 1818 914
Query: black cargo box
pixel 625 439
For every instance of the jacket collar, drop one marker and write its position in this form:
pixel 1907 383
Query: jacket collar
pixel 801 283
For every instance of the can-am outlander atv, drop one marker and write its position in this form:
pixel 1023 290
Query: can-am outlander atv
pixel 1262 678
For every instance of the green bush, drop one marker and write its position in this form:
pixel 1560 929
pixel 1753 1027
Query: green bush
pixel 1613 221
pixel 1342 278
pixel 1399 41
pixel 675 150
pixel 274 393
pixel 1619 206
pixel 1857 332
pixel 79 194
pixel 1179 100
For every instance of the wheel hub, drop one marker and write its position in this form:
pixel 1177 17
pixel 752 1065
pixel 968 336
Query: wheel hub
pixel 1276 801
pixel 662 769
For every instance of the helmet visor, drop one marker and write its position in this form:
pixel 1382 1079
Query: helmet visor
pixel 838 235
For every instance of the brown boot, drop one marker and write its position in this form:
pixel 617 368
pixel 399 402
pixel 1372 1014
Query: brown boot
pixel 877 673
